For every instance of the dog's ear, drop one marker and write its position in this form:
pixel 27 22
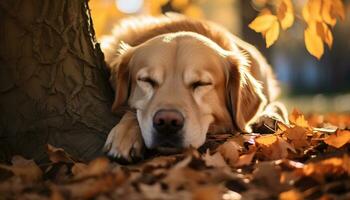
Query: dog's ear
pixel 120 75
pixel 245 97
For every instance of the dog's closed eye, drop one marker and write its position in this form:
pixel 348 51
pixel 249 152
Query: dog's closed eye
pixel 148 80
pixel 198 84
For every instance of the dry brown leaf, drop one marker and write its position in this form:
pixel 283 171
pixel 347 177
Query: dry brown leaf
pixel 245 159
pixel 313 41
pixel 263 22
pixel 297 118
pixel 230 151
pixel 291 194
pixel 298 136
pixel 285 14
pixel 273 147
pixel 215 160
pixel 27 170
pixel 338 139
pixel 318 170
pixel 208 192
pixel 96 167
pixel 57 155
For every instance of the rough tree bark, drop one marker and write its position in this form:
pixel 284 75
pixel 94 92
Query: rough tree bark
pixel 53 85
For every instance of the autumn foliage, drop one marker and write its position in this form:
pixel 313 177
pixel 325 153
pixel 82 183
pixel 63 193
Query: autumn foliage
pixel 320 16
pixel 308 158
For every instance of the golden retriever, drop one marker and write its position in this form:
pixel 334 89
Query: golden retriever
pixel 182 78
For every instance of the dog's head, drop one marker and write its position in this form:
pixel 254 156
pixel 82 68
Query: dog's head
pixel 183 85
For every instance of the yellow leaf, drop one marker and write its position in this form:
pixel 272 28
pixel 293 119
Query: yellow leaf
pixel 338 139
pixel 272 34
pixel 179 4
pixel 313 41
pixel 285 14
pixel 326 12
pixel 262 22
pixel 338 9
pixel 193 11
pixel 325 33
pixel 312 11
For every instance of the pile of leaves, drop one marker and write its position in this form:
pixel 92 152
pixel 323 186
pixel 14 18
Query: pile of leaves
pixel 305 159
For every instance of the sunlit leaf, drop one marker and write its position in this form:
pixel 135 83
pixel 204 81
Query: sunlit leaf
pixel 313 41
pixel 338 139
pixel 285 14
pixel 263 22
pixel 272 34
pixel 325 33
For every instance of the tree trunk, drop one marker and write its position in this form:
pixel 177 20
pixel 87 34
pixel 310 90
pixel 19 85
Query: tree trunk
pixel 53 84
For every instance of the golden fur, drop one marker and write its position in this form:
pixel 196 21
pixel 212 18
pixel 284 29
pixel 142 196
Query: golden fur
pixel 150 56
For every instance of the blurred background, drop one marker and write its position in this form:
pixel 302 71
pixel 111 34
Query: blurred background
pixel 308 84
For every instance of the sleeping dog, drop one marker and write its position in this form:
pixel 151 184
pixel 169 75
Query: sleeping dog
pixel 181 79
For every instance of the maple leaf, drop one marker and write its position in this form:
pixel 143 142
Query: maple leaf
pixel 338 139
pixel 298 137
pixel 297 118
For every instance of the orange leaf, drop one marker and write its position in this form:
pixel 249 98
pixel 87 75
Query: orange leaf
pixel 312 11
pixel 325 33
pixel 272 34
pixel 262 22
pixel 338 9
pixel 229 151
pixel 326 12
pixel 266 140
pixel 285 14
pixel 313 41
pixel 338 139
pixel 291 194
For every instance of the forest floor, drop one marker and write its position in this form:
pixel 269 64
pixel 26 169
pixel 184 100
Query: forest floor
pixel 305 159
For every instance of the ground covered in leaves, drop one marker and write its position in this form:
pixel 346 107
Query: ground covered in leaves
pixel 306 159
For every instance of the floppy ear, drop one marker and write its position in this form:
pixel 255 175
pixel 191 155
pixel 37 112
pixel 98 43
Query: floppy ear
pixel 120 76
pixel 245 96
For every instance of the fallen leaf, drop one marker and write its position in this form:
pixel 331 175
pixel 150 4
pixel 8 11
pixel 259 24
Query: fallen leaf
pixel 298 136
pixel 245 159
pixel 338 139
pixel 208 192
pixel 215 160
pixel 266 140
pixel 96 167
pixel 58 155
pixel 291 195
pixel 297 118
pixel 230 151
pixel 27 170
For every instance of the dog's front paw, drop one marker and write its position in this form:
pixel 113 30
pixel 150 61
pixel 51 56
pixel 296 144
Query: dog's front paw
pixel 124 143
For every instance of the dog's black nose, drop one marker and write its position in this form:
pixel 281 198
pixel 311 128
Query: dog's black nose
pixel 168 121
